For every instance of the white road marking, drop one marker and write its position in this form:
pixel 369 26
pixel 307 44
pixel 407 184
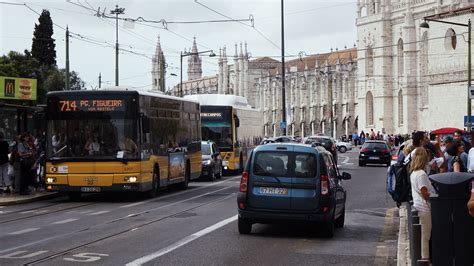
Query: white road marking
pixel 15 254
pixel 30 211
pixel 65 221
pixel 181 242
pixel 24 231
pixel 84 212
pixel 98 213
pixel 177 194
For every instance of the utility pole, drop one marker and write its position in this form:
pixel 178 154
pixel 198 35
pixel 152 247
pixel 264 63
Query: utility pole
pixel 283 72
pixel 67 59
pixel 100 79
pixel 117 11
pixel 181 74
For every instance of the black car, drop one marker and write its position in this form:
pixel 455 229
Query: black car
pixel 211 160
pixel 327 142
pixel 374 151
pixel 291 182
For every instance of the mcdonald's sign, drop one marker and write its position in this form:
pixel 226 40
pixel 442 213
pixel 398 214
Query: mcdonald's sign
pixel 18 88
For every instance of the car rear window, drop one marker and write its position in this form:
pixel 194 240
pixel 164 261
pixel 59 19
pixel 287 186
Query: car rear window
pixel 376 146
pixel 285 164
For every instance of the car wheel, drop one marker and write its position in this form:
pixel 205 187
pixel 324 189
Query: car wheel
pixel 245 226
pixel 328 229
pixel 74 196
pixel 340 221
pixel 361 163
pixel 212 175
pixel 342 149
pixel 219 174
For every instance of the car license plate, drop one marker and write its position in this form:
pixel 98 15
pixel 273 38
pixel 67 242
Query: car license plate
pixel 90 189
pixel 273 191
pixel 373 158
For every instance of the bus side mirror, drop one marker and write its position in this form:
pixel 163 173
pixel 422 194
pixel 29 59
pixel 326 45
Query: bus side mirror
pixel 145 124
pixel 237 121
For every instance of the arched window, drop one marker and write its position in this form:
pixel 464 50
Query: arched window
pixel 369 105
pixel 400 57
pixel 369 62
pixel 450 40
pixel 400 107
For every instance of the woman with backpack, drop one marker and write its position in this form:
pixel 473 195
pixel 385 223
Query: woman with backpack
pixel 421 190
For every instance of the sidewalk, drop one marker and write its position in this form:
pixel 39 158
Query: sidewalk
pixel 15 198
pixel 403 252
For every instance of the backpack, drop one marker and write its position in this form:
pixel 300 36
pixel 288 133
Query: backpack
pixel 398 182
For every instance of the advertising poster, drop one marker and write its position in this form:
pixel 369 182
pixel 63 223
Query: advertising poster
pixel 18 88
pixel 176 164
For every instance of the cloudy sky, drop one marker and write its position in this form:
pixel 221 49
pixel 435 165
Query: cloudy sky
pixel 312 26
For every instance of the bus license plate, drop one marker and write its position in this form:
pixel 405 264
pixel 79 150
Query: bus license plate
pixel 90 189
pixel 273 191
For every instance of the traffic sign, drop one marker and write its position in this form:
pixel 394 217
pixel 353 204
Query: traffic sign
pixel 465 120
pixel 282 124
pixel 471 92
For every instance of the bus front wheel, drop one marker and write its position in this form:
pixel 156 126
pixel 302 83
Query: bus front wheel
pixel 154 184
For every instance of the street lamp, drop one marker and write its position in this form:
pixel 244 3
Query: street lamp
pixel 211 54
pixel 425 25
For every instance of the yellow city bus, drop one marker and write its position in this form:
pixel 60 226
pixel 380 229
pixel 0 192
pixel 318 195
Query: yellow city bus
pixel 232 124
pixel 120 140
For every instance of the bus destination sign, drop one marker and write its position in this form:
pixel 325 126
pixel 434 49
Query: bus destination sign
pixel 89 105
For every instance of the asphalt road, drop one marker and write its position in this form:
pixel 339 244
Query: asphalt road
pixel 197 227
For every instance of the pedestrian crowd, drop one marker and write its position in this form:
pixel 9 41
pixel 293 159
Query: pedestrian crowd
pixel 360 138
pixel 425 157
pixel 19 162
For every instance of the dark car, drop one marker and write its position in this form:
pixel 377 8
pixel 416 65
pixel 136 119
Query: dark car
pixel 291 182
pixel 211 160
pixel 327 142
pixel 374 152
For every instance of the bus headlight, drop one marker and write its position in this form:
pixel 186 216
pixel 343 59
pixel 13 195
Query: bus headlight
pixel 131 179
pixel 206 162
pixel 51 180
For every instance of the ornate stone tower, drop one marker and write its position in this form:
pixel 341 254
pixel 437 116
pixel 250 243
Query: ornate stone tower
pixel 158 69
pixel 194 64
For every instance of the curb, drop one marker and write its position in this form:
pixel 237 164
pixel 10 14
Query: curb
pixel 403 247
pixel 32 199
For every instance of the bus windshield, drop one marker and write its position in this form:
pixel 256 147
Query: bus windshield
pixel 84 138
pixel 218 131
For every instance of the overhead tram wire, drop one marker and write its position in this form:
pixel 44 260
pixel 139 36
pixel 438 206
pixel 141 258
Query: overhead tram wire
pixel 234 20
pixel 75 35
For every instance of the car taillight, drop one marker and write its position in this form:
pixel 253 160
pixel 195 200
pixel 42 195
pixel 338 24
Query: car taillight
pixel 394 158
pixel 385 151
pixel 324 185
pixel 244 181
pixel 364 150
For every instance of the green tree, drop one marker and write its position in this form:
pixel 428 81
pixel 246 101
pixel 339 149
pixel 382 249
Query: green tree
pixel 43 47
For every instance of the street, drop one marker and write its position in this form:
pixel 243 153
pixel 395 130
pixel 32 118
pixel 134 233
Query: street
pixel 197 226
